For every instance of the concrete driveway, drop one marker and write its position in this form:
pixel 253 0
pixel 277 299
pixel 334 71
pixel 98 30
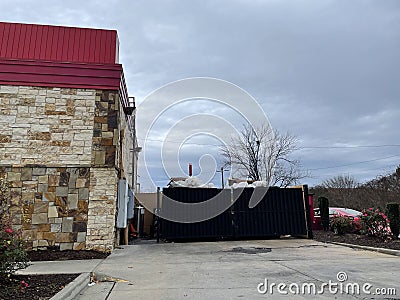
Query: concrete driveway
pixel 283 269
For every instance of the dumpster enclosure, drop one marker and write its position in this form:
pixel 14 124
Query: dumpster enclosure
pixel 282 211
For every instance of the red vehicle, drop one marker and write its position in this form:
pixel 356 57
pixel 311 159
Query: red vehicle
pixel 352 214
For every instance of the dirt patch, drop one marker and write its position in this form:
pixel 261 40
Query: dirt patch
pixel 39 286
pixel 356 239
pixel 48 255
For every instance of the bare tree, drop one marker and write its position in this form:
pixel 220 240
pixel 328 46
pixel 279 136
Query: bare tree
pixel 341 190
pixel 341 182
pixel 262 154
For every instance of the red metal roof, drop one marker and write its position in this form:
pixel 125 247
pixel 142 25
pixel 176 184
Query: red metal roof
pixel 57 43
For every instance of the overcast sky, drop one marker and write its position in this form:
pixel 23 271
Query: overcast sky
pixel 326 71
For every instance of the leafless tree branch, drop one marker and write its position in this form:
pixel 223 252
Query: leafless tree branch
pixel 260 153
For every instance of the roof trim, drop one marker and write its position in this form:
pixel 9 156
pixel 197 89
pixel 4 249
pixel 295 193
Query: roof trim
pixel 58 74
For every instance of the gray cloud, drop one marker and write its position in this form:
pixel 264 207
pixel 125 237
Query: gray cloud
pixel 327 71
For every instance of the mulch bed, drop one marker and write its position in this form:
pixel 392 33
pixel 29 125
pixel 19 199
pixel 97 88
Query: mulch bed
pixel 43 255
pixel 39 286
pixel 44 286
pixel 356 239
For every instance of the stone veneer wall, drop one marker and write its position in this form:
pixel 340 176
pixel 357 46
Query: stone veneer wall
pixel 102 209
pixel 101 234
pixel 58 150
pixel 50 205
pixel 46 126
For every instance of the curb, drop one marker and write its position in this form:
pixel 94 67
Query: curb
pixel 380 250
pixel 73 288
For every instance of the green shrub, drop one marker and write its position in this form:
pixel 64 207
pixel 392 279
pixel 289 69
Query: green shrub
pixel 341 225
pixel 12 248
pixel 393 214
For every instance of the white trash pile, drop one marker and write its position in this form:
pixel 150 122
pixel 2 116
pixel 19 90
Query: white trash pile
pixel 195 182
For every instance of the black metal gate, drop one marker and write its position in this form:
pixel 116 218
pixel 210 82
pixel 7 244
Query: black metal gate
pixel 282 211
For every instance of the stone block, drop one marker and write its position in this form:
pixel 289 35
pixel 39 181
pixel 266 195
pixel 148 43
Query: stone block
pixel 29 235
pixel 51 171
pixel 43 227
pixel 79 246
pixel 81 237
pixel 55 227
pixel 41 136
pixel 67 224
pixel 52 212
pixel 40 236
pixel 8 89
pixel 43 243
pixel 61 191
pixel 64 179
pixel 39 218
pixel 83 194
pixel 80 217
pixel 61 201
pixel 49 236
pixel 64 237
pixel 43 179
pixel 28 197
pixel 107 134
pixel 50 197
pixel 41 207
pixel 42 188
pixel 100 219
pixel 100 157
pixel 53 180
pixel 80 183
pixel 38 171
pixel 66 246
pixel 79 227
pixel 12 176
pixel 72 181
pixel 29 186
pixel 72 201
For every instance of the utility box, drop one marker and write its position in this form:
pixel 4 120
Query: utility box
pixel 122 213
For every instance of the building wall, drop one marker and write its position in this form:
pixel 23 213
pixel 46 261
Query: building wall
pixel 46 126
pixel 59 151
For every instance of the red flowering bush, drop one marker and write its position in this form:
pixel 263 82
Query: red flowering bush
pixel 375 223
pixel 344 224
pixel 12 249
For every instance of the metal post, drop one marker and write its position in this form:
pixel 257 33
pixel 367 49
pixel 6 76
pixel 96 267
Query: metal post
pixel 158 214
pixel 138 221
pixel 222 176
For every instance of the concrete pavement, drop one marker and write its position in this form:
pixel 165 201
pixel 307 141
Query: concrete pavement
pixel 61 267
pixel 240 269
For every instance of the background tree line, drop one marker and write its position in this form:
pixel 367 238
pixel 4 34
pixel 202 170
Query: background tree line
pixel 345 191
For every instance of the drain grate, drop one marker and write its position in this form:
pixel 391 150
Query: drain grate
pixel 251 250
